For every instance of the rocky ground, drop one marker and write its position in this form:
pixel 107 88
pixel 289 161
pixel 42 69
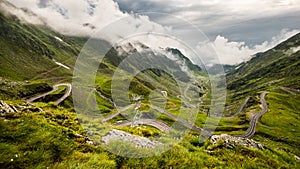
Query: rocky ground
pixel 7 109
pixel 231 141
pixel 138 141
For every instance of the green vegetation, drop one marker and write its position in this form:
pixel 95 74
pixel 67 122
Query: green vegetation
pixel 41 139
pixel 33 49
pixel 277 67
pixel 283 108
pixel 47 139
pixel 275 71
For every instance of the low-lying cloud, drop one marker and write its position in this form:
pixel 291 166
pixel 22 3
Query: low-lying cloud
pixel 231 52
pixel 86 17
pixel 83 17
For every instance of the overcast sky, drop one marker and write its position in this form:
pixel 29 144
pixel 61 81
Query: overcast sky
pixel 236 28
pixel 252 21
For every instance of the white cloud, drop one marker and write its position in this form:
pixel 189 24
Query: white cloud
pixel 22 14
pixel 85 17
pixel 231 52
pixel 217 12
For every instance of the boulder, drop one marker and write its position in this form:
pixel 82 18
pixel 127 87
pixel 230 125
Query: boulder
pixel 6 109
pixel 138 141
pixel 232 141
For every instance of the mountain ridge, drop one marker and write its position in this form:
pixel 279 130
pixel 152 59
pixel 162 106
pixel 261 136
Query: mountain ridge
pixel 279 65
pixel 44 134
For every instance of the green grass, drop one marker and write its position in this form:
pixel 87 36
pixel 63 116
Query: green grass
pixel 277 129
pixel 47 139
pixel 281 122
pixel 16 90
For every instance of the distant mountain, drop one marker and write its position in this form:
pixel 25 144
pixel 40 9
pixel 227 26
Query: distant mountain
pixel 32 54
pixel 187 61
pixel 168 59
pixel 227 68
pixel 161 69
pixel 277 67
pixel 34 59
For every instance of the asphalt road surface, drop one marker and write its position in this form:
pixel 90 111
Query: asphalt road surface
pixel 55 88
pixel 150 122
pixel 253 123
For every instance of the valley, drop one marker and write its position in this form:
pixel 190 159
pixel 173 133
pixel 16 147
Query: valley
pixel 50 117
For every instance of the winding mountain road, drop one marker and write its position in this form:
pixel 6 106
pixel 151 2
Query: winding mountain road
pixel 150 122
pixel 185 96
pixel 119 112
pixel 241 108
pixel 105 98
pixel 55 88
pixel 157 124
pixel 185 123
pixel 253 123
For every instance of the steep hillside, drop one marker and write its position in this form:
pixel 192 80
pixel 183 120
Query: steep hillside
pixel 28 50
pixel 277 67
pixel 31 55
pixel 37 64
pixel 277 72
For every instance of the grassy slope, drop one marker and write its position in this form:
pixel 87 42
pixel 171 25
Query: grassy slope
pixel 280 125
pixel 27 54
pixel 275 71
pixel 46 139
pixel 30 48
pixel 276 67
pixel 32 136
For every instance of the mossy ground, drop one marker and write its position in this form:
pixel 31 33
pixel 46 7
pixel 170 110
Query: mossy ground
pixel 46 139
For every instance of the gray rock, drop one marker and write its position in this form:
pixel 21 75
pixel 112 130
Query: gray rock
pixel 138 141
pixel 231 141
pixel 79 136
pixel 6 109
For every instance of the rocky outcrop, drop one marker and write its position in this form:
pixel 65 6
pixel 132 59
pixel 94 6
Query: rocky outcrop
pixel 231 141
pixel 6 109
pixel 138 141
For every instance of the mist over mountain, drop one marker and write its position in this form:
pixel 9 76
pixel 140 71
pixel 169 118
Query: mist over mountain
pixel 72 100
pixel 84 18
pixel 279 66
